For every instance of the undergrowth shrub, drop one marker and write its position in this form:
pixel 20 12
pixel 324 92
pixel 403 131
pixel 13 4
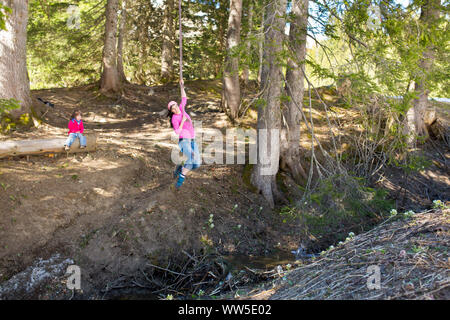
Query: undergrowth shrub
pixel 6 122
pixel 338 205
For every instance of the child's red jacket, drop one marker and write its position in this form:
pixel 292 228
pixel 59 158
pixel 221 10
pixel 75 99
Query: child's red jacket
pixel 74 126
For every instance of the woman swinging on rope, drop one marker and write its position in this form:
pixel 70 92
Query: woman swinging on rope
pixel 181 123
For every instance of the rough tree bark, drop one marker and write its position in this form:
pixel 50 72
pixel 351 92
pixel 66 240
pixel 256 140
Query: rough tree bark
pixel 109 80
pixel 261 43
pixel 122 31
pixel 14 81
pixel 222 18
pixel 430 12
pixel 246 72
pixel 290 133
pixel 231 90
pixel 269 114
pixel 168 43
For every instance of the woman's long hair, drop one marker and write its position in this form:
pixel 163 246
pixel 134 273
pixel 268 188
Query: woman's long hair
pixel 170 115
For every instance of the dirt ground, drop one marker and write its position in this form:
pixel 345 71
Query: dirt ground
pixel 114 210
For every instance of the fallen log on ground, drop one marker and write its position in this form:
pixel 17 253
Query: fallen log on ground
pixel 41 146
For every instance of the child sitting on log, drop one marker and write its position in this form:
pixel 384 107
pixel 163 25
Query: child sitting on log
pixel 76 130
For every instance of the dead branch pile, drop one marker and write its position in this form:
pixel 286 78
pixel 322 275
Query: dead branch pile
pixel 412 256
pixel 191 276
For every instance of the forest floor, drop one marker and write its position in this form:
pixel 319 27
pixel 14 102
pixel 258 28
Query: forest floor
pixel 115 210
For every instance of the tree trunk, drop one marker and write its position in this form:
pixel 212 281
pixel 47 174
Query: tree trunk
pixel 110 76
pixel 290 134
pixel 261 43
pixel 414 118
pixel 269 113
pixel 430 12
pixel 140 74
pixel 122 31
pixel 245 72
pixel 14 81
pixel 231 89
pixel 168 44
pixel 40 146
pixel 221 31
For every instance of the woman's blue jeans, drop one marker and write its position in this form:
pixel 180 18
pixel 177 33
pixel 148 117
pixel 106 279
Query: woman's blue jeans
pixel 73 136
pixel 190 149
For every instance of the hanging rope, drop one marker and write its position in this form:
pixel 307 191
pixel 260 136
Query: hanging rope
pixel 181 41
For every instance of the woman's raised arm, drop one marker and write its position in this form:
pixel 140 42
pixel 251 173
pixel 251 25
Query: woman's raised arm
pixel 183 93
pixel 183 97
